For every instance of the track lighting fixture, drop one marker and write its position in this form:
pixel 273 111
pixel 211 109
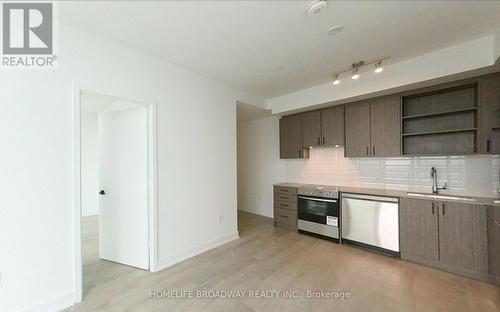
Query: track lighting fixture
pixel 354 68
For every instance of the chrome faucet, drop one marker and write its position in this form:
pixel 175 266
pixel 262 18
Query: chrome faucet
pixel 435 187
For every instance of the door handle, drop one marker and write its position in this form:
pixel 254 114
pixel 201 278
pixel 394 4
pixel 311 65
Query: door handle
pixel 432 208
pixel 488 145
pixel 367 151
pixel 319 141
pixel 323 140
pixel 374 150
pixel 442 206
pixel 101 192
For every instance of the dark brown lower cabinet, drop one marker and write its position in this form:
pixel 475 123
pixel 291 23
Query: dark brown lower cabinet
pixel 463 236
pixel 285 207
pixel 445 235
pixel 418 230
pixel 494 243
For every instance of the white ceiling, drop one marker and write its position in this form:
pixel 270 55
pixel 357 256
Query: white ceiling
pixel 241 43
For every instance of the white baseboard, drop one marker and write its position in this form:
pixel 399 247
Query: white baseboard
pixel 170 261
pixel 53 305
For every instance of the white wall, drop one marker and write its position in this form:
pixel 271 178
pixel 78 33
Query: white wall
pixel 90 163
pixel 259 166
pixel 196 155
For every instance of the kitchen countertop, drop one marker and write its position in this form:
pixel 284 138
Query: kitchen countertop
pixel 489 201
pixel 287 184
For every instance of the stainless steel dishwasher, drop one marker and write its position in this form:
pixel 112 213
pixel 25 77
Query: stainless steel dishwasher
pixel 371 222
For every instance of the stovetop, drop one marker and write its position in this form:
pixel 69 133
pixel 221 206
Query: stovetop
pixel 324 191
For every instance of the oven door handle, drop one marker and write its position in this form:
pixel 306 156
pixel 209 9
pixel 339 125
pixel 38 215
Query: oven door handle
pixel 319 199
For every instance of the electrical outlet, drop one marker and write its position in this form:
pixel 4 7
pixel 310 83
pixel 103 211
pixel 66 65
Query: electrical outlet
pixel 220 218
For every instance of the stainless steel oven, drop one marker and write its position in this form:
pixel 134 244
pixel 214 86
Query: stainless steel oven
pixel 319 211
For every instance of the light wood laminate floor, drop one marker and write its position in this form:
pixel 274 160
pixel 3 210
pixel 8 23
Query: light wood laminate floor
pixel 267 258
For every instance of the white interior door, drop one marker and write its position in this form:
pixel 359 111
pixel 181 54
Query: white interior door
pixel 123 177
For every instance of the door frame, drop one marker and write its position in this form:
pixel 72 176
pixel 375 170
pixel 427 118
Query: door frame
pixel 152 184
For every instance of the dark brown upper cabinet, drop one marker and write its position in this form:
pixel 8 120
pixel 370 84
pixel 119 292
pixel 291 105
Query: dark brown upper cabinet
pixel 332 126
pixel 311 128
pixel 372 129
pixel 357 130
pixel 441 120
pixel 323 127
pixel 489 114
pixel 385 116
pixel 291 145
pixel 455 118
pixel 301 131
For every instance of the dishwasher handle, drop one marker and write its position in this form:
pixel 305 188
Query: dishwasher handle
pixel 370 198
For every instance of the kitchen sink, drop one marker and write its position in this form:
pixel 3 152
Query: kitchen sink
pixel 443 197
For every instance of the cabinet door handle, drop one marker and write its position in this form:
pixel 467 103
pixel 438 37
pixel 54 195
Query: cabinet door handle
pixel 488 145
pixel 319 141
pixel 373 150
pixel 367 151
pixel 323 140
pixel 300 154
pixel 432 208
pixel 442 206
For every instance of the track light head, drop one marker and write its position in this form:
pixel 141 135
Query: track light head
pixel 355 74
pixel 378 67
pixel 336 79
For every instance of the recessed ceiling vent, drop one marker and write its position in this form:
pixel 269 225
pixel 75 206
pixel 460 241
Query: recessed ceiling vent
pixel 317 7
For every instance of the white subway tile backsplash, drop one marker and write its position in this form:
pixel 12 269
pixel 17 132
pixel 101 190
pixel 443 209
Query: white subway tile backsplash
pixel 466 175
